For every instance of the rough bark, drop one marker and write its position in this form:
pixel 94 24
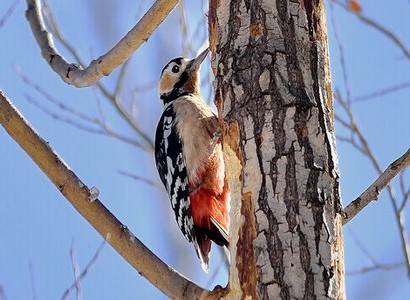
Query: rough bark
pixel 273 89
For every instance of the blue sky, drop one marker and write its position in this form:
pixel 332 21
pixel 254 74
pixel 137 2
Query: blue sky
pixel 38 226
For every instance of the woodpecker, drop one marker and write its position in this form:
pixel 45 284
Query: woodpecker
pixel 189 159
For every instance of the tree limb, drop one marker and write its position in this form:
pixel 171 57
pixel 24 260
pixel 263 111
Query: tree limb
pixel 105 64
pixel 108 226
pixel 113 98
pixel 363 146
pixel 373 191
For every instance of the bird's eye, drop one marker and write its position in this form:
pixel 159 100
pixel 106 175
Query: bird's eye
pixel 175 69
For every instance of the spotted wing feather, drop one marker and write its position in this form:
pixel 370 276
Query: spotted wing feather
pixel 172 170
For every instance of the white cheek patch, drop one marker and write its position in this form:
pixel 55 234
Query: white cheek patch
pixel 169 79
pixel 166 83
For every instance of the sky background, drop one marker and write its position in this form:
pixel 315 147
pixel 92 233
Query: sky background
pixel 38 227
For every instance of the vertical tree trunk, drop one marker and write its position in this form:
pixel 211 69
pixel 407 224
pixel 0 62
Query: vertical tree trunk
pixel 273 89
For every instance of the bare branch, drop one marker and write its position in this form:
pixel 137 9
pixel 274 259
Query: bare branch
pixel 342 121
pixel 352 126
pixel 405 192
pixel 377 267
pixel 362 248
pixel 364 147
pixel 105 64
pixel 32 281
pixel 373 191
pixel 350 140
pixel 120 81
pixel 57 117
pixel 108 226
pixel 79 277
pixel 2 293
pixel 114 98
pixel 102 128
pixel 74 265
pixel 385 91
pixel 8 13
pixel 51 22
pixel 341 53
pixel 142 179
pixel 99 126
pixel 390 35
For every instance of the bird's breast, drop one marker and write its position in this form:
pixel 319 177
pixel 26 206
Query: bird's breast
pixel 196 125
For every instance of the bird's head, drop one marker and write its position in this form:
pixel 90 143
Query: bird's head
pixel 180 77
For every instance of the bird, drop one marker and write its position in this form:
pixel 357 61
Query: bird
pixel 189 158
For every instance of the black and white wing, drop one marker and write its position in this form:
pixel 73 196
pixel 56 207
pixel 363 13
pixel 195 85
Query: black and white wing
pixel 171 167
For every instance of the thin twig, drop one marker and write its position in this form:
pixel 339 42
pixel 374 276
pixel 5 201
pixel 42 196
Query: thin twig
pixel 55 30
pixel 106 63
pixel 108 226
pixel 377 267
pixel 78 278
pixel 390 35
pixel 102 127
pixel 32 281
pixel 362 248
pixel 405 192
pixel 341 53
pixel 66 120
pixel 142 179
pixel 2 293
pixel 51 99
pixel 8 13
pixel 120 80
pixel 74 265
pixel 145 87
pixel 187 48
pixel 341 120
pixel 99 107
pixel 349 140
pixel 383 92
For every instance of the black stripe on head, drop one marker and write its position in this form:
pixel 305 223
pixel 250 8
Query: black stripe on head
pixel 177 60
pixel 181 81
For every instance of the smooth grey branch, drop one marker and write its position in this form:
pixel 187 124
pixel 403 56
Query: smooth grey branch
pixel 105 64
pixel 373 191
pixel 77 193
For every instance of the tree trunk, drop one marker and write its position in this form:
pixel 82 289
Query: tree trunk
pixel 273 89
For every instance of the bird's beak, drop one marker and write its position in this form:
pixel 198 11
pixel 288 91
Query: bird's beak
pixel 196 62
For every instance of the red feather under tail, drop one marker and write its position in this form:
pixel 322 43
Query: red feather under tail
pixel 210 215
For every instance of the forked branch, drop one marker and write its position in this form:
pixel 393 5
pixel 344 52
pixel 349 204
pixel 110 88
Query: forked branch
pixel 108 226
pixel 105 64
pixel 373 191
